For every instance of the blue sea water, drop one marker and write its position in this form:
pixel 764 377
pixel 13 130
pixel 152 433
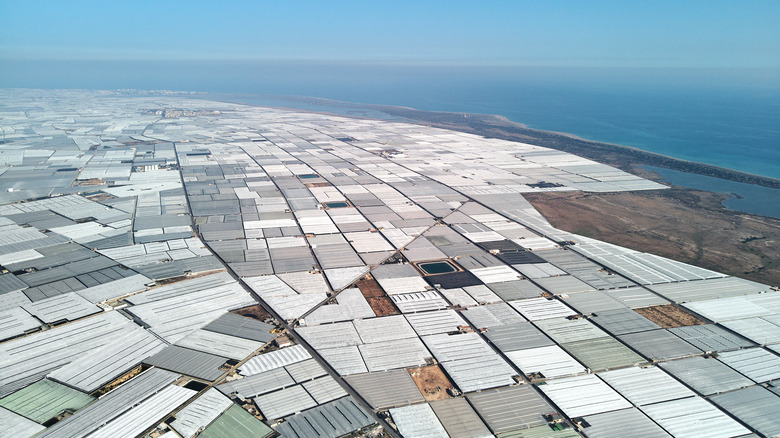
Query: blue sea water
pixel 735 131
pixel 691 116
pixel 728 118
pixel 743 197
pixel 749 198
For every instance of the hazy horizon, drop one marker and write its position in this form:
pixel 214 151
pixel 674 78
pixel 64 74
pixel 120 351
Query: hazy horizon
pixel 691 80
pixel 663 34
pixel 281 76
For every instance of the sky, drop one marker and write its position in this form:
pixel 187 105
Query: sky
pixel 597 33
pixel 565 65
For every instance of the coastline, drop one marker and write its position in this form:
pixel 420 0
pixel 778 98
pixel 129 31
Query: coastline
pixel 685 224
pixel 624 157
pixel 620 156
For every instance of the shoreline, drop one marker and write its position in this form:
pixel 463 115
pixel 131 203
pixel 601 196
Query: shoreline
pixel 617 155
pixel 684 224
pixel 497 126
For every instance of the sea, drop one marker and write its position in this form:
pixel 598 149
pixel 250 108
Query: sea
pixel 698 116
pixel 725 125
pixel 716 144
pixel 725 117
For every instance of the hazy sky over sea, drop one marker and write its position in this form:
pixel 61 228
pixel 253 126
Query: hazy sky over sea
pixel 661 33
pixel 695 79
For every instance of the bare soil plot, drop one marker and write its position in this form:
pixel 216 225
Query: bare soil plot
pixel 370 288
pixel 380 303
pixel 120 380
pixel 383 306
pixel 687 225
pixel 669 316
pixel 431 381
pixel 256 312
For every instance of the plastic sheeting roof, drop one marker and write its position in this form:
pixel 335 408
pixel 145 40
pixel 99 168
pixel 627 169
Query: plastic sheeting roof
pixel 642 386
pixel 510 409
pixel 113 404
pixel 274 359
pixel 693 417
pixel 336 418
pixel 386 389
pixel 756 406
pixel 707 376
pixel 91 371
pixel 583 395
pixel 200 412
pixel 190 362
pixel 459 419
pixel 418 421
pixel 616 424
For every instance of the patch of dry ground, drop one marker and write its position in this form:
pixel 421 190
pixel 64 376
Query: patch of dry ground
pixel 669 316
pixel 380 303
pixel 120 380
pixel 687 225
pixel 257 312
pixel 431 382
